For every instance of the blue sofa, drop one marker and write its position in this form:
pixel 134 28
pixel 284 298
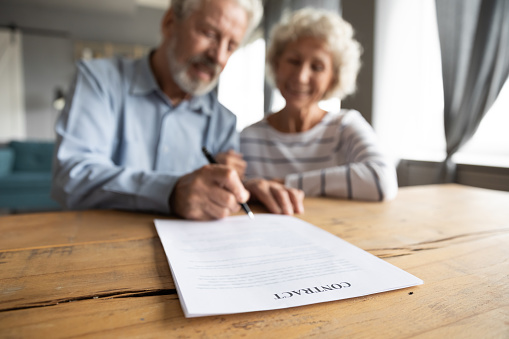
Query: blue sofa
pixel 25 176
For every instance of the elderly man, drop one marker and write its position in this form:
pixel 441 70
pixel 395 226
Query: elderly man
pixel 131 136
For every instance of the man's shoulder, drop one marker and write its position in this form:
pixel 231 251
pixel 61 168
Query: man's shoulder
pixel 107 69
pixel 219 110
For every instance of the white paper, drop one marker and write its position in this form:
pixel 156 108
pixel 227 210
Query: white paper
pixel 237 265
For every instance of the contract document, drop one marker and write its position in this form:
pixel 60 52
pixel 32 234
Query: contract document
pixel 238 264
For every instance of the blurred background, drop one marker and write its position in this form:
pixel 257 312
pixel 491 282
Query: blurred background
pixel 400 86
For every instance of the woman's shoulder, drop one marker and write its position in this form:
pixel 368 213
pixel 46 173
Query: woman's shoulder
pixel 259 124
pixel 256 128
pixel 336 117
pixel 344 113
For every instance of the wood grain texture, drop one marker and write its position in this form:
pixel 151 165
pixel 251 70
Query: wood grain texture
pixel 104 273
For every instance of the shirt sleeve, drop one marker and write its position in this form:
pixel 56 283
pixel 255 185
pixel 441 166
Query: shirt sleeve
pixel 84 175
pixel 367 173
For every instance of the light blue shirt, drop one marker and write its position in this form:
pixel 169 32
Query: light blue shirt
pixel 121 144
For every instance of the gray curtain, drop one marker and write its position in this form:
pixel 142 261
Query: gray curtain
pixel 273 11
pixel 474 41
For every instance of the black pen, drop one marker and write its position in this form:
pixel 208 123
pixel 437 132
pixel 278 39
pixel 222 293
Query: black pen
pixel 211 160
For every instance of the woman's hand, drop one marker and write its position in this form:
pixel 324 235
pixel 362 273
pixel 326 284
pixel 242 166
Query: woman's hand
pixel 278 198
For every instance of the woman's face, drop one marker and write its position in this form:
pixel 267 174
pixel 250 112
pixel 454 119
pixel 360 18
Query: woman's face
pixel 304 72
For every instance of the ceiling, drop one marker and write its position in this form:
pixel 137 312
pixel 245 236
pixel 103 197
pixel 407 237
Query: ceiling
pixel 115 6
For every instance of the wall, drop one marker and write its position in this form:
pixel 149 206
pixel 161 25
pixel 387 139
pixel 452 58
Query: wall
pixel 48 65
pixel 361 14
pixel 411 173
pixel 49 35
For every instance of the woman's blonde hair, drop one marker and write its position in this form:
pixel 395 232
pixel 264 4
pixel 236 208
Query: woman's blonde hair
pixel 335 32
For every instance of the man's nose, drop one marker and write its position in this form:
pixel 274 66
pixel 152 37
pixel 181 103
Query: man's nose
pixel 220 53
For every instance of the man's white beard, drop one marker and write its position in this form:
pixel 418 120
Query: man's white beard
pixel 189 85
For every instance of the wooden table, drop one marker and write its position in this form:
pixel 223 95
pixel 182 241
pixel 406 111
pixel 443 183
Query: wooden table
pixel 104 273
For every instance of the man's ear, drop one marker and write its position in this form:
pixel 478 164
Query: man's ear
pixel 167 22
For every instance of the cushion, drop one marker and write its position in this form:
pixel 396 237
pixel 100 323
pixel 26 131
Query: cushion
pixel 25 181
pixel 32 156
pixel 6 161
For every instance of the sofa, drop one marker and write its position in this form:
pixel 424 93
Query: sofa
pixel 25 176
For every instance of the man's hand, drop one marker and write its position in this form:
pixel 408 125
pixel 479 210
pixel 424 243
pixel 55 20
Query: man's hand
pixel 278 198
pixel 234 160
pixel 211 192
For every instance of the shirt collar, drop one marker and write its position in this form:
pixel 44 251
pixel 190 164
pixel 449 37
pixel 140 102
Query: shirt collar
pixel 145 82
pixel 202 103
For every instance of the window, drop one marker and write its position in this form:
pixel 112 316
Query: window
pixel 408 92
pixel 490 144
pixel 12 106
pixel 241 83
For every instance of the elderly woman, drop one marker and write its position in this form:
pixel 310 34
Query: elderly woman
pixel 311 57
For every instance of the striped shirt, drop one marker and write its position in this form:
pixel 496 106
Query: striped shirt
pixel 338 157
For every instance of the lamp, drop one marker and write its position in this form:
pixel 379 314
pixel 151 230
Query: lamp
pixel 59 101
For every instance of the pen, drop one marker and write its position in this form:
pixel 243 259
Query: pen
pixel 211 160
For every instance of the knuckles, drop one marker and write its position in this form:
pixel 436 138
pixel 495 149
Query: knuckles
pixel 231 174
pixel 230 201
pixel 223 213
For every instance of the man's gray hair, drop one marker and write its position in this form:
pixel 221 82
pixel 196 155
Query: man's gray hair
pixel 254 9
